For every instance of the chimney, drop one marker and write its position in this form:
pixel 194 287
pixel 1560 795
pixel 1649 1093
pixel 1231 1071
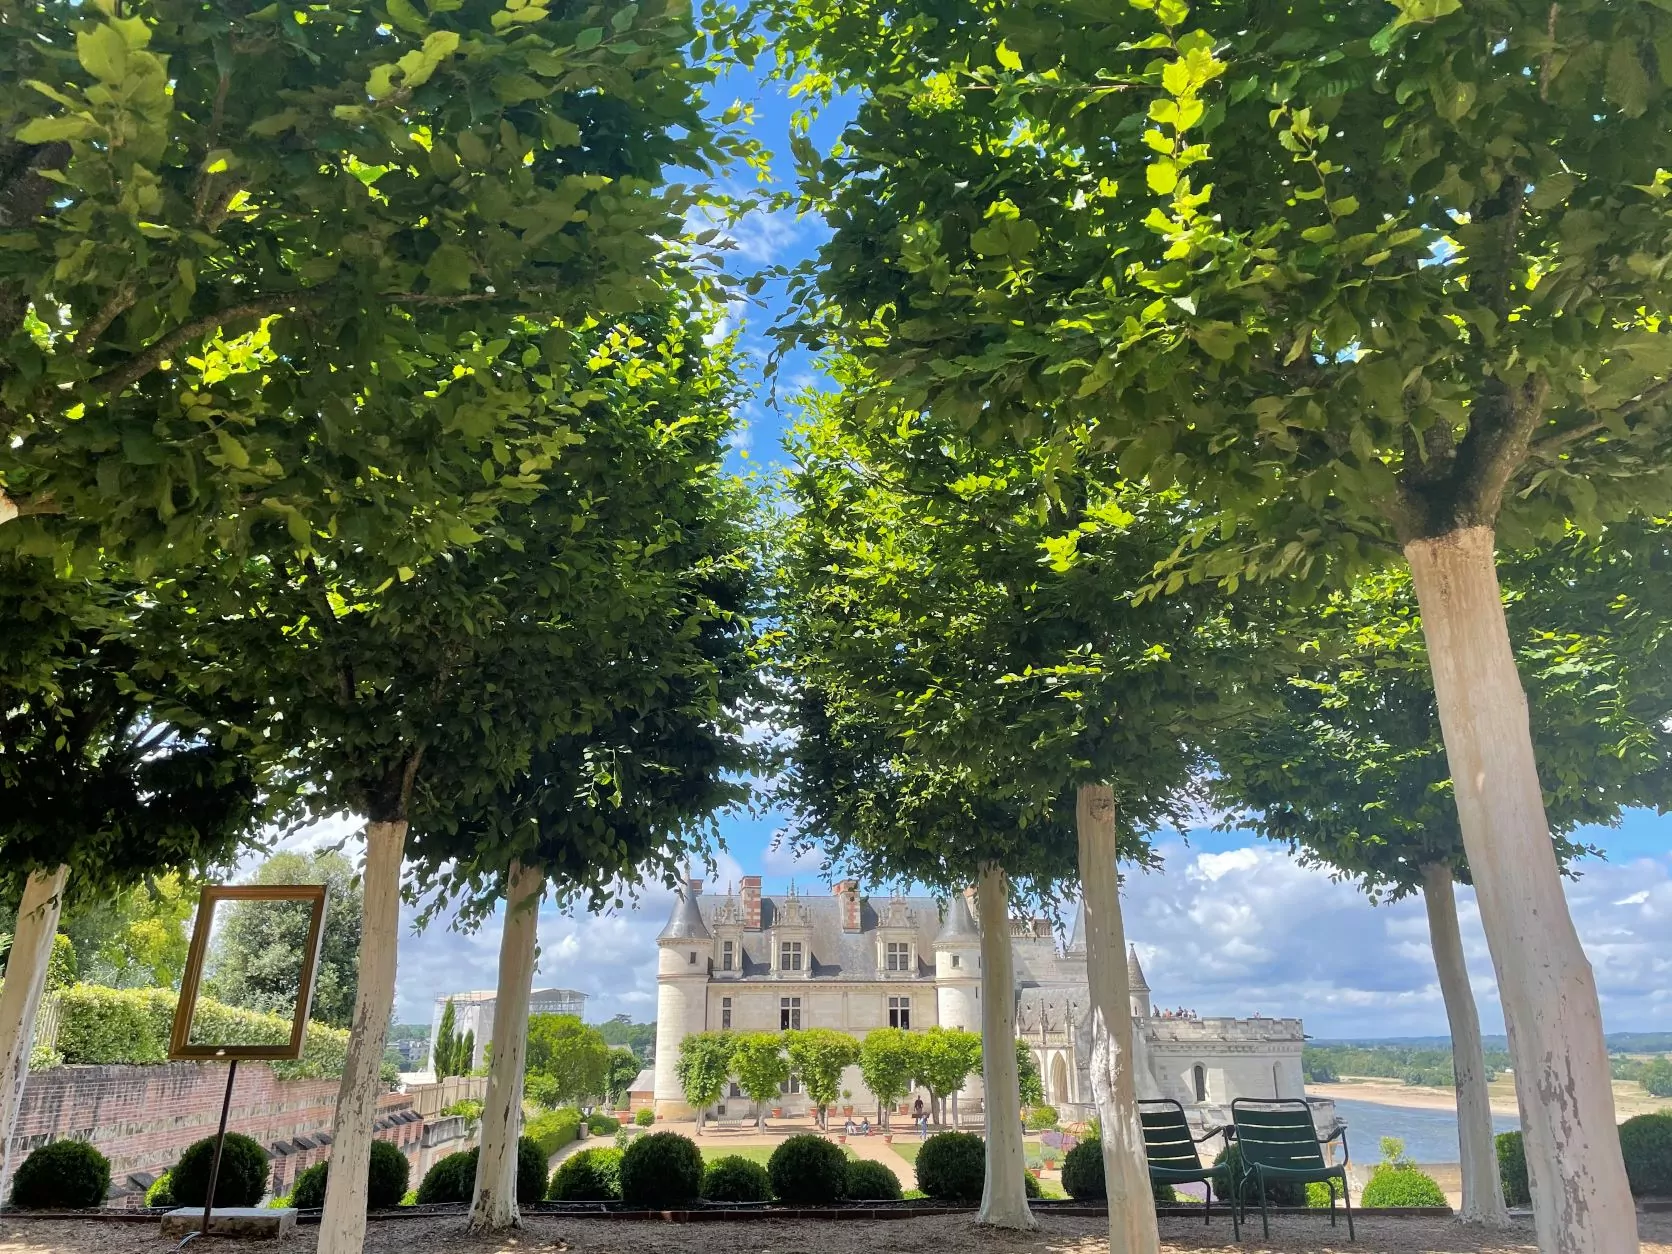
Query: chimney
pixel 848 891
pixel 752 903
pixel 696 888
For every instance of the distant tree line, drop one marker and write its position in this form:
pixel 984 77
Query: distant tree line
pixel 1324 1064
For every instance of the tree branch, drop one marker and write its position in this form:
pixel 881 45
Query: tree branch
pixel 119 378
pixel 119 302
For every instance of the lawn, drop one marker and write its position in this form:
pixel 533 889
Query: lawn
pixel 754 1153
pixel 907 1150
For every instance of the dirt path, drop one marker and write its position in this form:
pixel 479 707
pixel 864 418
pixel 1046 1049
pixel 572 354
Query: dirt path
pixel 547 1234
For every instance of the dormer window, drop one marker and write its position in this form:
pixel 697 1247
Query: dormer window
pixel 728 955
pixel 897 956
pixel 789 956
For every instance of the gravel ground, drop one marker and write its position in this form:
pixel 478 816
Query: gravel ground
pixel 546 1234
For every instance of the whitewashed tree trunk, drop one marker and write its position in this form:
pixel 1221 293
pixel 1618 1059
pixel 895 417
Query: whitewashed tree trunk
pixel 342 1226
pixel 20 996
pixel 8 509
pixel 1483 1190
pixel 495 1204
pixel 1581 1203
pixel 1114 1082
pixel 1004 1195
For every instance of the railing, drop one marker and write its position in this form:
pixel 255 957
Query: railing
pixel 429 1100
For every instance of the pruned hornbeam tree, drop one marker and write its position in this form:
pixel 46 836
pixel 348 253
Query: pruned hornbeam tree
pixel 983 605
pixel 1350 769
pixel 1371 284
pixel 219 220
pixel 112 769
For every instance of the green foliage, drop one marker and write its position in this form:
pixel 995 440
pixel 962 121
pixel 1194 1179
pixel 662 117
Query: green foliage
pixel 600 1124
pixel 951 1166
pixel 1654 1074
pixel 570 1055
pixel 1318 1195
pixel 554 1129
pixel 808 1169
pixel 1278 1192
pixel 308 1193
pixel 60 964
pixel 733 1178
pixel 1411 1064
pixel 704 1064
pixel 643 1117
pixel 620 1071
pixel 871 1181
pixel 465 1108
pixel 760 1065
pixel 820 1056
pixel 661 1170
pixel 242 1179
pixel 61 1175
pixel 638 1037
pixel 1164 1194
pixel 887 1064
pixel 1029 1083
pixel 449 1179
pixel 1646 1144
pixel 253 960
pixel 1082 1171
pixel 134 938
pixel 161 1192
pixel 448 1056
pixel 106 1025
pixel 592 1175
pixel 946 1057
pixel 1400 1186
pixel 1512 1169
pixel 1041 1118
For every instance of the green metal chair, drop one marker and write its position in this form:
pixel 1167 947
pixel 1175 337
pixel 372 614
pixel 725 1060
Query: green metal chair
pixel 1278 1142
pixel 1171 1151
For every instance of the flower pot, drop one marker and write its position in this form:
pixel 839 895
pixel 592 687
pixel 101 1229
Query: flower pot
pixel 888 1138
pixel 847 1110
pixel 777 1112
pixel 842 1138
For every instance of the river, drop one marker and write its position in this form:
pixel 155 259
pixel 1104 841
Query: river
pixel 1430 1136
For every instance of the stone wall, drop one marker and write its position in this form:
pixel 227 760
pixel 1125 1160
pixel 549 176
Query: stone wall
pixel 142 1117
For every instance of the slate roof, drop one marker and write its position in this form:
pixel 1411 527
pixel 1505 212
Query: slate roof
pixel 960 926
pixel 834 954
pixel 686 921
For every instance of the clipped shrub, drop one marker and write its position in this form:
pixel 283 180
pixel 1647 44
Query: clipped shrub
pixel 554 1129
pixel 531 1170
pixel 808 1169
pixel 1041 1118
pixel 602 1125
pixel 61 1175
pixel 385 1185
pixel 661 1171
pixel 1512 1169
pixel 735 1178
pixel 1646 1143
pixel 1082 1173
pixel 1278 1192
pixel 1401 1186
pixel 871 1181
pixel 449 1179
pixel 593 1175
pixel 161 1192
pixel 465 1108
pixel 1318 1195
pixel 243 1177
pixel 1030 1184
pixel 950 1166
pixel 1165 1194
pixel 644 1117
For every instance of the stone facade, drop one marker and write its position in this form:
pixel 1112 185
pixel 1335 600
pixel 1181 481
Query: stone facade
pixel 755 963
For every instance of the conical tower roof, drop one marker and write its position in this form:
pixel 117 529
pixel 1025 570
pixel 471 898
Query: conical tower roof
pixel 958 928
pixel 685 923
pixel 1134 972
pixel 1077 938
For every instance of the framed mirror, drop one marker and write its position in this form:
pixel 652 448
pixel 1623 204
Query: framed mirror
pixel 248 984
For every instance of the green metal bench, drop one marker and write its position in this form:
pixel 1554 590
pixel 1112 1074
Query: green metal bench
pixel 1277 1142
pixel 1172 1154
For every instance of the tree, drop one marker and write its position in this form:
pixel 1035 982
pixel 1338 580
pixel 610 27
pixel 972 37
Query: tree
pixel 1030 1085
pixel 444 1049
pixel 252 961
pixel 887 1063
pixel 638 1037
pixel 620 1071
pixel 171 301
pixel 820 1056
pixel 1356 283
pixel 704 1066
pixel 570 1054
pixel 759 1063
pixel 946 1057
pixel 1350 769
pixel 138 938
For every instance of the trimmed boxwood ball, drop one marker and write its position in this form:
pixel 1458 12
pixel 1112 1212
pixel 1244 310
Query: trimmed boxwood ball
pixel 61 1175
pixel 808 1169
pixel 735 1178
pixel 1401 1186
pixel 950 1166
pixel 644 1117
pixel 592 1175
pixel 1082 1172
pixel 1278 1192
pixel 1512 1169
pixel 661 1171
pixel 872 1181
pixel 449 1179
pixel 1646 1144
pixel 385 1185
pixel 243 1177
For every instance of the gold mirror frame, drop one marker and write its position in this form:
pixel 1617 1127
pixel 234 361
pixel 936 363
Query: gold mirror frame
pixel 178 1045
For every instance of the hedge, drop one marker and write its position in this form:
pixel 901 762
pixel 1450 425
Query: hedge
pixel 593 1175
pixel 1401 1186
pixel 132 1025
pixel 1646 1146
pixel 554 1129
pixel 1512 1169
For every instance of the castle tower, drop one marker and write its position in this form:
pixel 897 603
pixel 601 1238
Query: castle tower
pixel 958 968
pixel 683 961
pixel 1139 989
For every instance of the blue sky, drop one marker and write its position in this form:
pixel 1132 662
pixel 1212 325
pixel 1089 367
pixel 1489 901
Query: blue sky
pixel 1231 925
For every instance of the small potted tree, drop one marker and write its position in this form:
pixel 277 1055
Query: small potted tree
pixel 847 1102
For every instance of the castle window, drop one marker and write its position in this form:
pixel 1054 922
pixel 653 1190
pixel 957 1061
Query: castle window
pixel 790 1086
pixel 725 1012
pixel 789 1013
pixel 789 956
pixel 897 956
pixel 954 960
pixel 726 952
pixel 693 958
pixel 1199 1073
pixel 735 1090
pixel 899 1012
